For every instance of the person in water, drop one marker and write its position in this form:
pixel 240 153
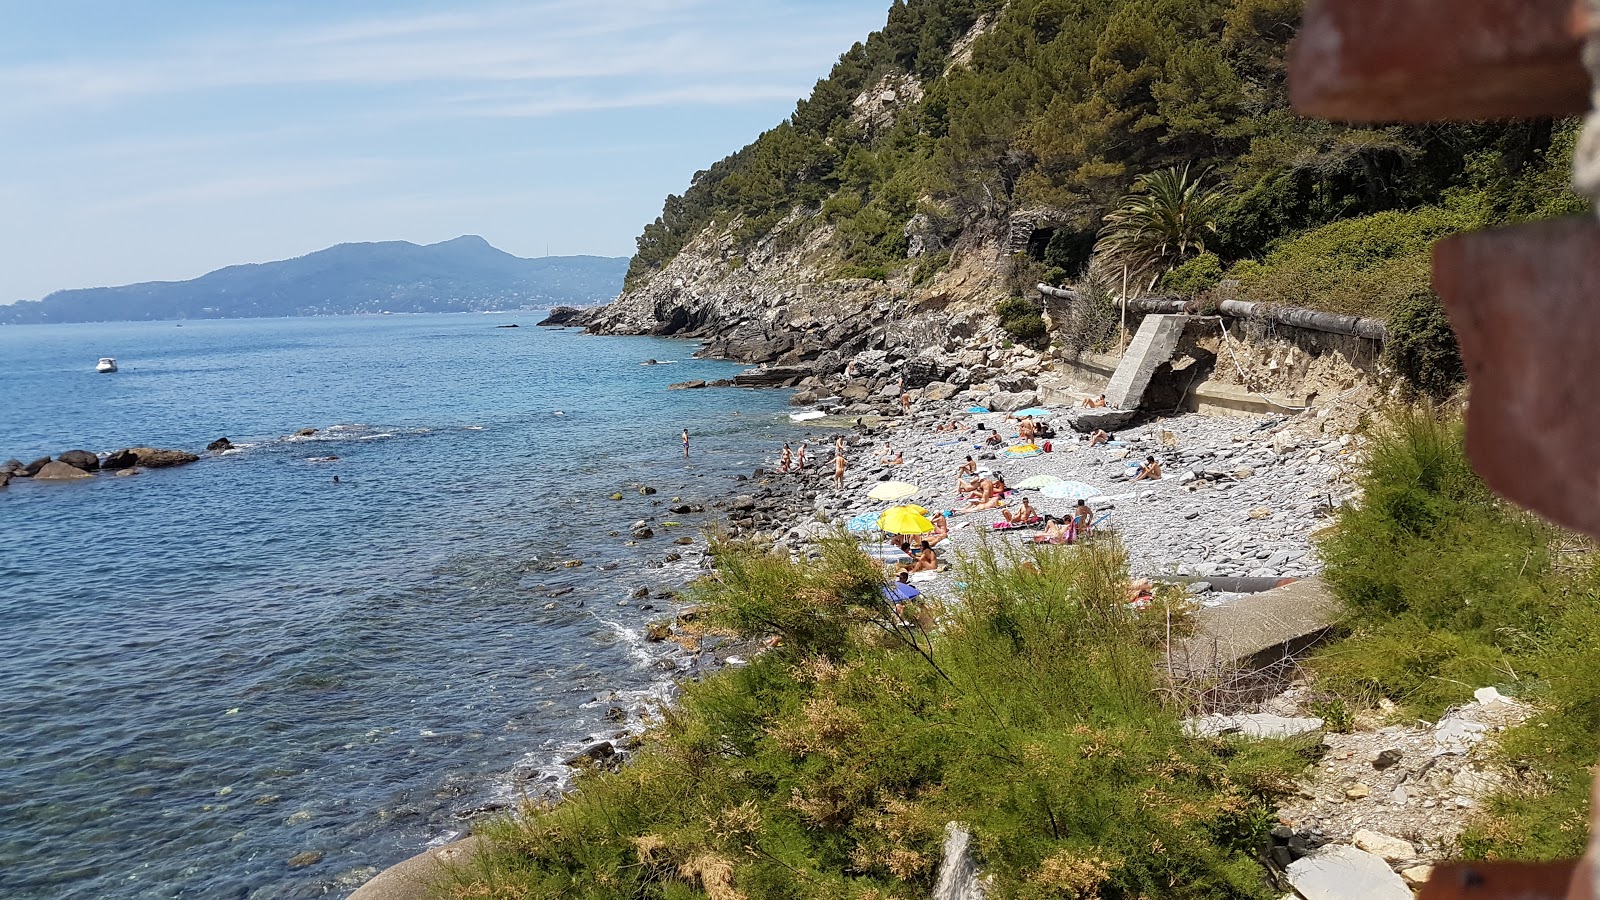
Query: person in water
pixel 686 443
pixel 785 458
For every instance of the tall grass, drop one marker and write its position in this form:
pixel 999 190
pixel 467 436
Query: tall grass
pixel 1450 589
pixel 829 765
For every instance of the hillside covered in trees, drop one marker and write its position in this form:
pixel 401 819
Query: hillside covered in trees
pixel 961 117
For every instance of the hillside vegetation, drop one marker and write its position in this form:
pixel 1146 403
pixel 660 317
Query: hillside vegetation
pixel 1063 104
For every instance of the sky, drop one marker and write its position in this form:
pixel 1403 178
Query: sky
pixel 161 139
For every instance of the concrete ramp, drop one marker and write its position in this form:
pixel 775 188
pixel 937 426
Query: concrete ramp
pixel 1153 345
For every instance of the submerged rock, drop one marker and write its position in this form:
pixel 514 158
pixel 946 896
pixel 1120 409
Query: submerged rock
pixel 219 445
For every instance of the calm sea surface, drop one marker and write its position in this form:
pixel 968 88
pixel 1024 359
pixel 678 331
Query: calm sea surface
pixel 209 670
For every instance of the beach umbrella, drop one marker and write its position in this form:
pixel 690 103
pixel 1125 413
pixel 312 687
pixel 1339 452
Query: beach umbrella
pixel 976 410
pixel 1022 451
pixel 893 490
pixel 867 521
pixel 903 520
pixel 1071 490
pixel 1037 481
pixel 1032 411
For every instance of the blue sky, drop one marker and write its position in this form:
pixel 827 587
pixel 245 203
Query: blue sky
pixel 161 139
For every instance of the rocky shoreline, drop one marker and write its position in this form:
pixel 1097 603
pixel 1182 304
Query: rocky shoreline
pixel 73 465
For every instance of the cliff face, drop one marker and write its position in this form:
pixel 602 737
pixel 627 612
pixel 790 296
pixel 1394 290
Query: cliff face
pixel 778 302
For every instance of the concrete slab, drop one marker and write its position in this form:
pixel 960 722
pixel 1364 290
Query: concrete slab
pixel 1152 345
pixel 1260 629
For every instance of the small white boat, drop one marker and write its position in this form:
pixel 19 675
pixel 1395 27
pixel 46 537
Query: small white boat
pixel 106 364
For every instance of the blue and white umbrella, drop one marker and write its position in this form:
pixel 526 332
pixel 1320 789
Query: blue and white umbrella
pixel 1070 490
pixel 1032 411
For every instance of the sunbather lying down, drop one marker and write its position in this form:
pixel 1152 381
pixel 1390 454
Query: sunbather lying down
pixel 994 502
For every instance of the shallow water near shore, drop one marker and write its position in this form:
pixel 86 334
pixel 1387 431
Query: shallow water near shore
pixel 206 672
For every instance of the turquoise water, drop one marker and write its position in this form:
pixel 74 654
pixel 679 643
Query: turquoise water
pixel 206 671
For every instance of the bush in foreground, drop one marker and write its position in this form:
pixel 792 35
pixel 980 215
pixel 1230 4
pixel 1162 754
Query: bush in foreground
pixel 829 765
pixel 1451 589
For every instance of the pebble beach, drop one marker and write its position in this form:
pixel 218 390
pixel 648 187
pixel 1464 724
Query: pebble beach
pixel 1239 496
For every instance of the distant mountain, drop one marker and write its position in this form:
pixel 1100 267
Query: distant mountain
pixel 461 275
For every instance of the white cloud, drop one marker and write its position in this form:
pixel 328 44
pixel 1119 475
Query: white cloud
pixel 546 42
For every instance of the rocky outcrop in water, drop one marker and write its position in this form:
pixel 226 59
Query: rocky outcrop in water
pixel 80 459
pixel 60 471
pixel 565 316
pixel 152 458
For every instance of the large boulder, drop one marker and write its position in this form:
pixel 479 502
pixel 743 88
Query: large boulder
pixel 220 445
pixel 121 459
pixel 1011 401
pixel 922 370
pixel 32 469
pixel 771 376
pixel 11 466
pixel 939 391
pixel 1088 421
pixel 153 458
pixel 1341 872
pixel 1016 383
pixel 5 478
pixel 60 471
pixel 80 459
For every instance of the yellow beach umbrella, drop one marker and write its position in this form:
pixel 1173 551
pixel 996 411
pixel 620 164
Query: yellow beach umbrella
pixel 893 490
pixel 904 520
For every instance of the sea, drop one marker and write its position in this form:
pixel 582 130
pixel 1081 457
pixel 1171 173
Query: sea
pixel 274 671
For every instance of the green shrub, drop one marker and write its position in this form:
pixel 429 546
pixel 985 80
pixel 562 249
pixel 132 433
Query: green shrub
pixel 829 765
pixel 1362 266
pixel 1450 589
pixel 1022 320
pixel 1199 274
pixel 1422 348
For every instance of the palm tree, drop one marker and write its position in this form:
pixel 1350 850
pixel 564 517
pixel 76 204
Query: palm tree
pixel 1160 224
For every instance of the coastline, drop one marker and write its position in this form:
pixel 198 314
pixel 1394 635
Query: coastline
pixel 789 509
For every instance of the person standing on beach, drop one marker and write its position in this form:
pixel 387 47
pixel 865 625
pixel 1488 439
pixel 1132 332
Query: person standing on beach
pixel 838 471
pixel 838 445
pixel 905 403
pixel 800 457
pixel 786 457
pixel 686 443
